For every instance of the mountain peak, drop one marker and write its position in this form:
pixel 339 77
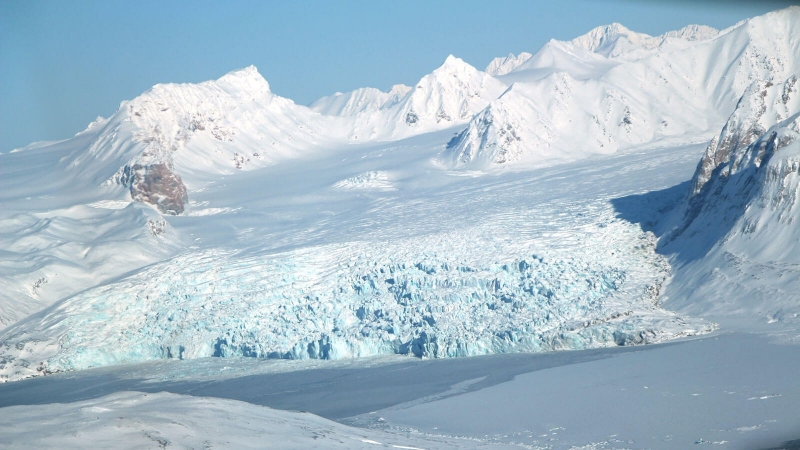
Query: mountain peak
pixel 615 40
pixel 452 64
pixel 693 33
pixel 604 39
pixel 504 65
pixel 399 90
pixel 247 78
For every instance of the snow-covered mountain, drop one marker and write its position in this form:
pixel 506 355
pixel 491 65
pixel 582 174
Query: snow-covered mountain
pixel 234 122
pixel 155 149
pixel 629 89
pixel 448 96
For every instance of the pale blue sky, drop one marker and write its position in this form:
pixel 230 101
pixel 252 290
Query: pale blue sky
pixel 64 63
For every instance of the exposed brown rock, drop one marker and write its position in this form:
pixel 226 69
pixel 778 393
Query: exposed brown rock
pixel 157 185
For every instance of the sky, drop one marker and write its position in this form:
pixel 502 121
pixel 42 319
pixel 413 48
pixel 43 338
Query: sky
pixel 62 64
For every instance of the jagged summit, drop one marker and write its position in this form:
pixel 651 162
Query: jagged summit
pixel 504 65
pixel 615 40
pixel 452 67
pixel 453 60
pixel 453 63
pixel 216 126
pixel 399 90
pixel 449 95
pixel 604 39
pixel 693 33
pixel 247 82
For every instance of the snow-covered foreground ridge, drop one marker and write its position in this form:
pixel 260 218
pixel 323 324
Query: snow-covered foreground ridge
pixel 363 226
pixel 135 420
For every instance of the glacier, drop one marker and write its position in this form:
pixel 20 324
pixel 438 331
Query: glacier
pixel 431 296
pixel 363 270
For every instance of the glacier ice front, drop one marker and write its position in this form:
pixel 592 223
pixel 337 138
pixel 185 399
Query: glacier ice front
pixel 433 296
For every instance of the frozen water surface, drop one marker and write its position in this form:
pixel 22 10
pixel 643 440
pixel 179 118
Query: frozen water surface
pixel 662 396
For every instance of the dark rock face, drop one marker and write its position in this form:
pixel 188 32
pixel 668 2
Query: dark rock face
pixel 744 128
pixel 158 185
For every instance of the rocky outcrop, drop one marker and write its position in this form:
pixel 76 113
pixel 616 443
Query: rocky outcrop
pixel 745 126
pixel 159 186
pixel 747 176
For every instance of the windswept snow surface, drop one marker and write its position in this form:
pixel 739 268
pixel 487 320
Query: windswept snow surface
pixel 683 395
